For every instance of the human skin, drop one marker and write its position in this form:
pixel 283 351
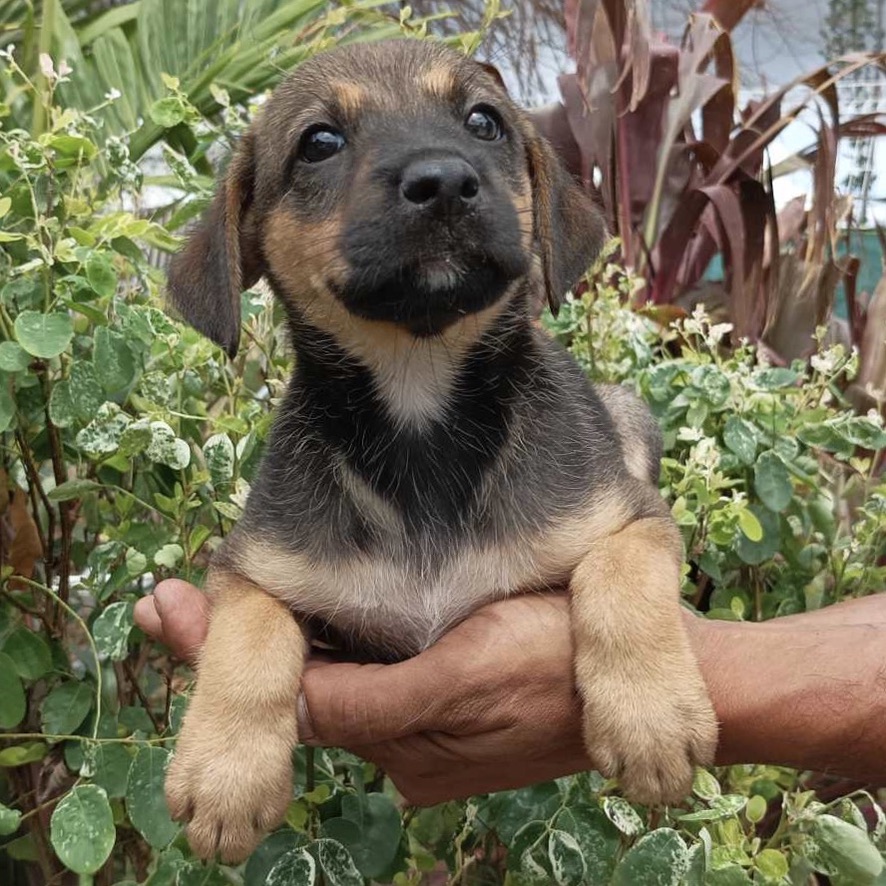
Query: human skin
pixel 492 705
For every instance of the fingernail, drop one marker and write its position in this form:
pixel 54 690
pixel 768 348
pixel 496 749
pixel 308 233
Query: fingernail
pixel 305 724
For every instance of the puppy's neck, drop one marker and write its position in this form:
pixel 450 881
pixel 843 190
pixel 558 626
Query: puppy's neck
pixel 432 472
pixel 412 376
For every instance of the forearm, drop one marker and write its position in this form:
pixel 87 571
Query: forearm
pixel 807 691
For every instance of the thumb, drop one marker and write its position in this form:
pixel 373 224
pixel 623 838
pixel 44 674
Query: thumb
pixel 347 705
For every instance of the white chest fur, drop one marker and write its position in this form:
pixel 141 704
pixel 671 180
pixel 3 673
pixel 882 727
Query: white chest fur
pixel 390 602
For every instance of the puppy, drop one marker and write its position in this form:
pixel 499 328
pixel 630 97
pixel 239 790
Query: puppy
pixel 435 450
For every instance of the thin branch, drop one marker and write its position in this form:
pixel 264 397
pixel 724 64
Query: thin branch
pixel 36 487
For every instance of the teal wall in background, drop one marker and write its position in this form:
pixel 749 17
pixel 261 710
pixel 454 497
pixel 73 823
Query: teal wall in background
pixel 863 243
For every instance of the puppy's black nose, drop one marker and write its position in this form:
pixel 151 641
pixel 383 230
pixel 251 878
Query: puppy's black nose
pixel 447 184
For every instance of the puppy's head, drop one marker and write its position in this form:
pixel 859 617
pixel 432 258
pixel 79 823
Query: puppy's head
pixel 393 182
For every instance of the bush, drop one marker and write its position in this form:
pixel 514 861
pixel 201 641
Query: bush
pixel 129 443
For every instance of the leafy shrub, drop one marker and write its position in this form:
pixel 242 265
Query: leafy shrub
pixel 128 446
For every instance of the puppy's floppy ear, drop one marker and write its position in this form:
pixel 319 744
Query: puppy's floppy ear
pixel 568 226
pixel 494 72
pixel 222 256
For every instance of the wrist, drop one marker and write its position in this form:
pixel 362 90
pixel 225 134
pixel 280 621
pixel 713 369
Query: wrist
pixel 795 691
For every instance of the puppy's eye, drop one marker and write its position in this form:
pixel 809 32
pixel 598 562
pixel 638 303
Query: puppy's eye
pixel 484 123
pixel 320 143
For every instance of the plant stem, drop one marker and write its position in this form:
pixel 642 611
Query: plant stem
pixel 36 487
pixel 98 665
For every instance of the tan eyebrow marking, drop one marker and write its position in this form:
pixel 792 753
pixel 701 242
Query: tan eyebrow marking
pixel 350 97
pixel 438 80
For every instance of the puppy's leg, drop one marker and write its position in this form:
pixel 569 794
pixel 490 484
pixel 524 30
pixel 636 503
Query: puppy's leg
pixel 647 717
pixel 231 774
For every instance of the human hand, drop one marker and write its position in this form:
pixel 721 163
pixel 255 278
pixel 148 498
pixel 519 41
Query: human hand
pixel 490 706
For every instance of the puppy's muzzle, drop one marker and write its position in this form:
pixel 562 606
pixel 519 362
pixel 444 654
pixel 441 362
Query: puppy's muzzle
pixel 432 236
pixel 444 186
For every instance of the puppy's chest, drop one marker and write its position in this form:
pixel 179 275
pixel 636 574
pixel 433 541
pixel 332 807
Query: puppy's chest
pixel 393 603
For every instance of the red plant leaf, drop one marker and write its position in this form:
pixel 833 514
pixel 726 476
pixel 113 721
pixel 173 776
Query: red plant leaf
pixel 728 13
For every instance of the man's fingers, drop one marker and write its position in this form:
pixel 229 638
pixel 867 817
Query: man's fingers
pixel 177 614
pixel 147 617
pixel 343 705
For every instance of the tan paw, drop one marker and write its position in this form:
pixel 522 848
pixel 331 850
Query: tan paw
pixel 650 738
pixel 231 788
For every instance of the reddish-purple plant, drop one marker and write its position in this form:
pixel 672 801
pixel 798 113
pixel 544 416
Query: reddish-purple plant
pixel 681 168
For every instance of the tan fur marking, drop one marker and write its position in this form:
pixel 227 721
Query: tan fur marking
pixel 630 418
pixel 350 96
pixel 243 709
pixel 386 599
pixel 304 257
pixel 647 716
pixel 439 81
pixel 413 376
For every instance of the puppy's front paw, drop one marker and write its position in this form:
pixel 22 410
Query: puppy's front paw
pixel 650 736
pixel 232 785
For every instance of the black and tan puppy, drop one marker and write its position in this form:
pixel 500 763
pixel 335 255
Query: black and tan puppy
pixel 435 450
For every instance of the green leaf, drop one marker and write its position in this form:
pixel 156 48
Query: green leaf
pixel 755 811
pixel 111 630
pixel 7 403
pixel 566 859
pixel 772 482
pixel 336 863
pixel 82 829
pixel 102 435
pixel 136 562
pixel 136 438
pixel 623 816
pixel 112 762
pixel 218 451
pixel 11 818
pixel 100 274
pixel 598 838
pixel 772 864
pixel 44 335
pixel 169 556
pixel 167 112
pixel 720 807
pixel 775 378
pixel 86 393
pixel 756 552
pixel 72 489
pixel 269 851
pixel 13 357
pixel 61 405
pixel 370 830
pixel 22 849
pixel 113 360
pixel 729 875
pixel 749 524
pixel 12 694
pixel 293 868
pixel 740 437
pixel 704 785
pixel 20 754
pixel 166 448
pixel 659 858
pixel 29 652
pixel 145 801
pixel 169 864
pixel 846 849
pixel 66 707
pixel 713 385
pixel 528 857
pixel 195 873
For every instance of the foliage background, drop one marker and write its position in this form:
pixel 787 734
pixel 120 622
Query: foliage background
pixel 128 443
